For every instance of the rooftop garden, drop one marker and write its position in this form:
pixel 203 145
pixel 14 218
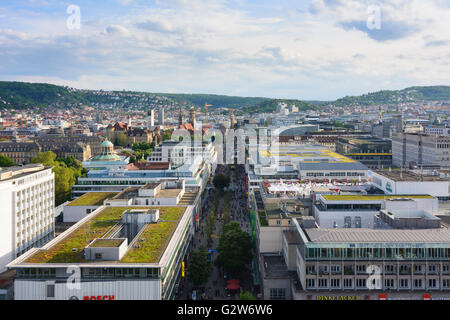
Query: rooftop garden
pixel 262 219
pixel 92 199
pixel 156 235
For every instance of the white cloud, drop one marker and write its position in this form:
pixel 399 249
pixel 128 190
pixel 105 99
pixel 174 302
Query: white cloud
pixel 212 46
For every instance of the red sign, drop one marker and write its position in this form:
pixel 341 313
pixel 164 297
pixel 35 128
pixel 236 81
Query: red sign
pixel 99 298
pixel 382 296
pixel 426 296
pixel 246 186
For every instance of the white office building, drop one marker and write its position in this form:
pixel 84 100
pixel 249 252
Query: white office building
pixel 420 150
pixel 27 196
pixel 171 152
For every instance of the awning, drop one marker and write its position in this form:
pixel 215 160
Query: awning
pixel 233 284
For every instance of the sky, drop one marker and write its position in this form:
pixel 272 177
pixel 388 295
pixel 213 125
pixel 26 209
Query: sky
pixel 310 50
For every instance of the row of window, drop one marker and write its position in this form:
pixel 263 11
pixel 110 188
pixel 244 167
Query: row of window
pixel 403 283
pixel 378 253
pixel 48 273
pixel 335 174
pixel 388 269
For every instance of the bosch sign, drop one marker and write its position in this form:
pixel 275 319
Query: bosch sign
pixel 99 298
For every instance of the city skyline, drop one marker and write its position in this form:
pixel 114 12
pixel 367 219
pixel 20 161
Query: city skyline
pixel 239 48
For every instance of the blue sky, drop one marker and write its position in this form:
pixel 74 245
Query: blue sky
pixel 313 50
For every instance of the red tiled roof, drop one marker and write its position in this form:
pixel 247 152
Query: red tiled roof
pixel 131 166
pixel 149 166
pixel 120 126
pixel 187 126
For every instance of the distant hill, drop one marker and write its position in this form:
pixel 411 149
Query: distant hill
pixel 413 94
pixel 21 95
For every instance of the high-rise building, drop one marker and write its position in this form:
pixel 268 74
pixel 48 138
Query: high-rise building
pixel 151 119
pixel 161 117
pixel 27 195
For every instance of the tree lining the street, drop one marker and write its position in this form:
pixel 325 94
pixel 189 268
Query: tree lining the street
pixel 221 181
pixel 199 269
pixel 210 224
pixel 235 249
pixel 226 208
pixel 246 296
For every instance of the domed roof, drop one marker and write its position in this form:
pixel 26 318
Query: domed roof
pixel 107 143
pixel 106 157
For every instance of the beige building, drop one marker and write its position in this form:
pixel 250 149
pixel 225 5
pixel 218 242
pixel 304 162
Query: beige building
pixel 20 152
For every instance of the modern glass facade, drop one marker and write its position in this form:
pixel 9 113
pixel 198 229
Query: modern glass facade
pixel 375 251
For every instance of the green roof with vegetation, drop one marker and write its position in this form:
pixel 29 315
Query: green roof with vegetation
pixel 92 199
pixel 372 197
pixel 157 236
pixel 262 219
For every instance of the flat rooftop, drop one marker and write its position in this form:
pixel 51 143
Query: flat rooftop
pixel 313 158
pixel 151 185
pixel 348 235
pixel 168 193
pixel 410 176
pixel 364 140
pixel 155 238
pixel 275 267
pixel 408 214
pixel 128 193
pixel 19 172
pixel 93 199
pixel 307 154
pixel 372 197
